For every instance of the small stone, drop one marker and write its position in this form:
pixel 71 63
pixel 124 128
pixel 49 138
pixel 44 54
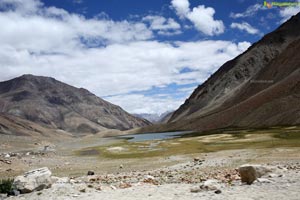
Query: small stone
pixel 218 192
pixel 113 187
pixel 195 190
pixel 14 193
pixel 210 184
pixel 90 173
pixel 149 177
pixel 82 190
pixel 264 180
pixel 121 166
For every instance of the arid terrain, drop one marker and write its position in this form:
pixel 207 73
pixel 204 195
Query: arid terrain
pixel 166 169
pixel 237 136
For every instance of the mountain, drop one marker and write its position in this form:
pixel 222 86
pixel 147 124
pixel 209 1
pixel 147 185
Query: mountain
pixel 166 117
pixel 258 88
pixel 261 87
pixel 56 105
pixel 153 118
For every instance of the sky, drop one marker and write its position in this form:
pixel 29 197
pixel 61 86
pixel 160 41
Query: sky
pixel 145 56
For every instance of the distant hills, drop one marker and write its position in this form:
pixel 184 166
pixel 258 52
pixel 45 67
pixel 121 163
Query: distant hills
pixel 30 101
pixel 154 118
pixel 259 88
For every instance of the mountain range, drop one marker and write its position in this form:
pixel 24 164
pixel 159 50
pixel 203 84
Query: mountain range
pixel 155 118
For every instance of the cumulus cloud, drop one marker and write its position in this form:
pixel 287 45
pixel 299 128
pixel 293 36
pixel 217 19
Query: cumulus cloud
pixel 244 26
pixel 202 17
pixel 182 7
pixel 104 56
pixel 54 27
pixel 164 26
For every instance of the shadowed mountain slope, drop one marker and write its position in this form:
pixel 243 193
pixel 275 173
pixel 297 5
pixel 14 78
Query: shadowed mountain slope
pixel 259 88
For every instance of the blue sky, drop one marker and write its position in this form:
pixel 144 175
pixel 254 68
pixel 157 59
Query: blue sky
pixel 146 56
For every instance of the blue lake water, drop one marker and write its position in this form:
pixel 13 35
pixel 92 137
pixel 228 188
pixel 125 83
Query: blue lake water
pixel 153 136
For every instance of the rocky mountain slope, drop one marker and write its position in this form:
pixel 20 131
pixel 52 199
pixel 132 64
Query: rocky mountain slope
pixel 260 87
pixel 56 105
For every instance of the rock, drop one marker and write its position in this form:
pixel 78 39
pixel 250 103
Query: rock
pixel 7 156
pixel 264 180
pixel 148 177
pixel 195 190
pixel 6 161
pixel 249 173
pixel 210 184
pixel 14 193
pixel 218 192
pixel 90 173
pixel 273 175
pixel 125 185
pixel 82 190
pixel 121 167
pixel 113 187
pixel 34 180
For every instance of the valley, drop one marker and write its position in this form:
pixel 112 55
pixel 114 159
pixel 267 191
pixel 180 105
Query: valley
pixel 216 118
pixel 75 157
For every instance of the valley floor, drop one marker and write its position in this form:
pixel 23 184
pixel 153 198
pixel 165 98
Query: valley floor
pixel 170 174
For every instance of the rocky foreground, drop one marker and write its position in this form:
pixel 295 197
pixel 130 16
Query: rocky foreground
pixel 181 181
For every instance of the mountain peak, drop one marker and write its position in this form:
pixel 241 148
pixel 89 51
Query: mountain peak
pixel 51 103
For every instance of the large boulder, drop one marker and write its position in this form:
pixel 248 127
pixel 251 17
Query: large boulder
pixel 250 173
pixel 34 180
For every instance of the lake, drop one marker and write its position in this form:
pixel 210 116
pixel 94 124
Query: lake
pixel 153 136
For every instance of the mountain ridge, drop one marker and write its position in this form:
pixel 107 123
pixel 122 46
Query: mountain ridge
pixel 263 51
pixel 54 104
pixel 258 88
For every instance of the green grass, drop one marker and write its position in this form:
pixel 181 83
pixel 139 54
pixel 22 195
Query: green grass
pixel 226 139
pixel 6 185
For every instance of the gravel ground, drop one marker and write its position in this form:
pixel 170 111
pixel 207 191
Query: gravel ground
pixel 284 185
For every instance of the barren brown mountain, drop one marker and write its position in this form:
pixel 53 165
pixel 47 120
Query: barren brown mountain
pixel 29 100
pixel 259 88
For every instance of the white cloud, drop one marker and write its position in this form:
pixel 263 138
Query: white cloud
pixel 54 27
pixel 53 42
pixel 136 103
pixel 244 26
pixel 288 12
pixel 250 11
pixel 201 17
pixel 182 7
pixel 163 25
pixel 21 6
